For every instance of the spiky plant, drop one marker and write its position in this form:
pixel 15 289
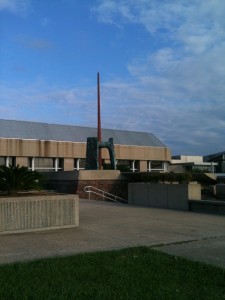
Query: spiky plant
pixel 15 179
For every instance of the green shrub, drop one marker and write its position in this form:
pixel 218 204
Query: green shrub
pixel 159 177
pixel 15 179
pixel 107 166
pixel 123 168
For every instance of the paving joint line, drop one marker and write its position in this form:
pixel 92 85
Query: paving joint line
pixel 187 241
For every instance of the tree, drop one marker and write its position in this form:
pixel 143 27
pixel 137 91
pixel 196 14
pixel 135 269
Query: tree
pixel 15 179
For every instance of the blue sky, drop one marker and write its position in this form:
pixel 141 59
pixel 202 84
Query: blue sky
pixel 161 64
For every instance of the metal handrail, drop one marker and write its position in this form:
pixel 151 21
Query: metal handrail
pixel 105 195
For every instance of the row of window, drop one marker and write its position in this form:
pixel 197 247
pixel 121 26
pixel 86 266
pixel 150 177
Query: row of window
pixel 45 164
pixel 152 166
pixel 56 164
pixel 6 161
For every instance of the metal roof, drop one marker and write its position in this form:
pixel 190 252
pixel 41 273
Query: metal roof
pixel 56 132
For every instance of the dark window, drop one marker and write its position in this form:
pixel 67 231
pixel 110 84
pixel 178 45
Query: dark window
pixel 79 162
pixel 157 165
pixel 7 161
pixel 2 161
pixel 44 162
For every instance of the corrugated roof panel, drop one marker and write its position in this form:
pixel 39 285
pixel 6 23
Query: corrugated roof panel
pixel 45 131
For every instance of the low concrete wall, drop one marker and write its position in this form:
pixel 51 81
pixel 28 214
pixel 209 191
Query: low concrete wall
pixel 207 206
pixel 217 190
pixel 173 196
pixel 220 191
pixel 24 214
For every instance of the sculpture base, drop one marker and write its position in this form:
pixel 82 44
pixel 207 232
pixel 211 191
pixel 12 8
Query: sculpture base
pixel 99 175
pixel 74 182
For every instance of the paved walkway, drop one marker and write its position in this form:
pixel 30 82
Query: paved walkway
pixel 106 226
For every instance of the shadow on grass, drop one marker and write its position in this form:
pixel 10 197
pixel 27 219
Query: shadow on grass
pixel 133 273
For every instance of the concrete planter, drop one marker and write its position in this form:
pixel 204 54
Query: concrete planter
pixel 35 213
pixel 173 196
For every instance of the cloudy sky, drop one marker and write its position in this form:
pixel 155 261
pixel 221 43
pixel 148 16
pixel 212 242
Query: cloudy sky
pixel 161 62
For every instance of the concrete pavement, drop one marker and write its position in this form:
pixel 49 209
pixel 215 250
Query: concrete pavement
pixel 107 226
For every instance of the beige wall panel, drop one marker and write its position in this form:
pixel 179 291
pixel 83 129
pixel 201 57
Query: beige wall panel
pixel 105 153
pixel 68 164
pixel 67 149
pixel 3 148
pixel 142 153
pixel 143 166
pixel 176 168
pixel 8 147
pixel 35 148
pixel 79 150
pixel 22 161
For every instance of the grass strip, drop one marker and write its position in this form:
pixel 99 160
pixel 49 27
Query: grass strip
pixel 133 273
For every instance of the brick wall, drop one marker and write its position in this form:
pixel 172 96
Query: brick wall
pixel 115 187
pixel 75 182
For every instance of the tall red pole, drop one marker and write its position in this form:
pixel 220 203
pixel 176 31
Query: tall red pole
pixel 99 124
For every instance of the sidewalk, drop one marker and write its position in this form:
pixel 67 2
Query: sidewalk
pixel 107 226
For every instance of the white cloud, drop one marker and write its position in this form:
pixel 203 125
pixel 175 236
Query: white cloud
pixel 45 22
pixel 181 87
pixel 40 102
pixel 151 107
pixel 176 92
pixel 195 24
pixel 19 7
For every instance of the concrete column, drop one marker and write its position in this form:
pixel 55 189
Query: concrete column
pixel 33 163
pixel 56 164
pixel 78 164
pixel 7 161
pixel 68 164
pixel 165 167
pixel 22 161
pixel 143 166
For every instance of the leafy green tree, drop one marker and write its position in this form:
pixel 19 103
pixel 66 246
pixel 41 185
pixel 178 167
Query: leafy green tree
pixel 15 179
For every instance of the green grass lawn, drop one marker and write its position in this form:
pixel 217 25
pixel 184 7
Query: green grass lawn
pixel 134 273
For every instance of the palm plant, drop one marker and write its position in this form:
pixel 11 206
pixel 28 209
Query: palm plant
pixel 15 179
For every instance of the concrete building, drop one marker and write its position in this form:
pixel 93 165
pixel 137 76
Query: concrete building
pixel 187 163
pixel 219 159
pixel 52 147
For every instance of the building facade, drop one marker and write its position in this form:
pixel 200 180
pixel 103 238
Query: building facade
pixel 190 163
pixel 219 159
pixel 53 147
